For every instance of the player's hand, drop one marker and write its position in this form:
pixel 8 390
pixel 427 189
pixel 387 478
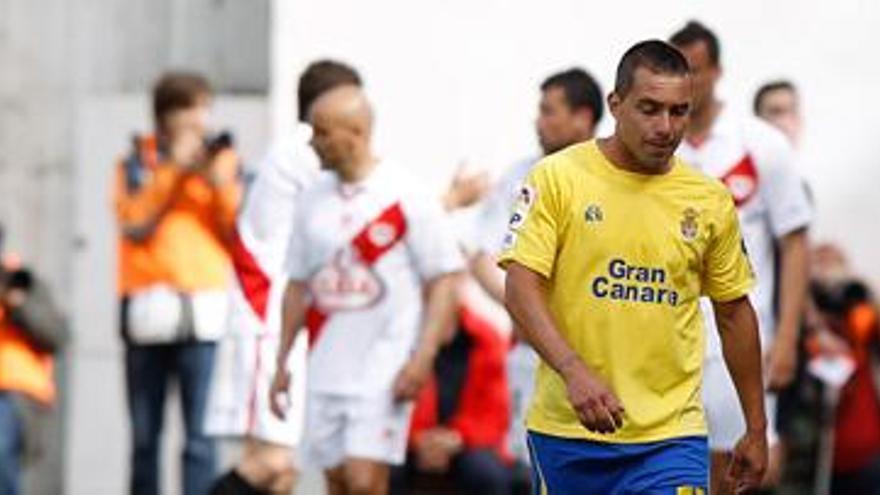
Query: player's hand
pixel 749 462
pixel 781 364
pixel 598 409
pixel 435 448
pixel 465 189
pixel 278 392
pixel 412 377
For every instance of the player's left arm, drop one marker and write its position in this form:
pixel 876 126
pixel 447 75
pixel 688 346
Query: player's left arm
pixel 440 263
pixel 738 327
pixel 439 318
pixel 793 282
pixel 727 280
pixel 789 214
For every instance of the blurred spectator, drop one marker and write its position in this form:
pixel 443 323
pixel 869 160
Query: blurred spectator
pixel 31 331
pixel 568 112
pixel 778 103
pixel 176 195
pixel 239 400
pixel 799 404
pixel 850 327
pixel 570 108
pixel 758 166
pixel 460 422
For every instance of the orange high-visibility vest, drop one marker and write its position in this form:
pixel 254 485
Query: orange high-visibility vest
pixel 189 249
pixel 23 367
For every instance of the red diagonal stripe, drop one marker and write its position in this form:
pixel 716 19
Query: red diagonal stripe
pixel 744 172
pixel 366 246
pixel 255 284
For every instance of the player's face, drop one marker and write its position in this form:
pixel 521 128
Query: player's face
pixel 653 116
pixel 704 73
pixel 780 108
pixel 558 125
pixel 332 141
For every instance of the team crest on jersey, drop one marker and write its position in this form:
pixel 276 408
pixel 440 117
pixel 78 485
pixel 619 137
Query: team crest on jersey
pixel 690 227
pixel 345 284
pixel 593 214
pixel 382 234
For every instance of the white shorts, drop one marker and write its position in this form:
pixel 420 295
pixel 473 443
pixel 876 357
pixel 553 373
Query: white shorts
pixel 723 411
pixel 238 404
pixel 344 427
pixel 522 363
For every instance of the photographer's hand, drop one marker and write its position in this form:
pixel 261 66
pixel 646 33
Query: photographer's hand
pixel 187 149
pixel 14 297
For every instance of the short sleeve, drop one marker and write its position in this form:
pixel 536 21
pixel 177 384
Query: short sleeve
pixel 492 222
pixel 533 228
pixel 727 273
pixel 431 239
pixel 788 204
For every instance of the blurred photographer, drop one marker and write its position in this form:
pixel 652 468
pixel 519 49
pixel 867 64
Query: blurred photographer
pixel 31 331
pixel 847 326
pixel 176 196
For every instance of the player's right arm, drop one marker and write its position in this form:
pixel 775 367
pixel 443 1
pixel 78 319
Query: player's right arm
pixel 293 312
pixel 537 223
pixel 598 409
pixel 294 306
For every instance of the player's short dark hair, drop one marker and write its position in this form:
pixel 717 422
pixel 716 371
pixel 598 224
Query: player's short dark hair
pixel 695 32
pixel 769 87
pixel 655 55
pixel 580 88
pixel 178 90
pixel 319 77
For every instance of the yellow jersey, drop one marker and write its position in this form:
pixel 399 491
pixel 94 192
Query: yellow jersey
pixel 627 257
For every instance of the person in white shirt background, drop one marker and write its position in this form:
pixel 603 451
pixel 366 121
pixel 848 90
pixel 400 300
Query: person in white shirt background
pixel 757 164
pixel 238 404
pixel 570 108
pixel 372 267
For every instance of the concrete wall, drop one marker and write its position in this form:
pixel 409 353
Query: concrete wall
pixel 74 84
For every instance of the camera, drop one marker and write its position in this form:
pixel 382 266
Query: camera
pixel 840 297
pixel 219 142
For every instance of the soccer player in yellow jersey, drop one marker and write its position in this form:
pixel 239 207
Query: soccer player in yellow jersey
pixel 609 248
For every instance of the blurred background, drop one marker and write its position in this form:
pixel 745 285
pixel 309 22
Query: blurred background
pixel 453 82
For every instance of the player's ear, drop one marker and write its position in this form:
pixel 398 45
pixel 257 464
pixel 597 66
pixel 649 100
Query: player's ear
pixel 584 118
pixel 614 101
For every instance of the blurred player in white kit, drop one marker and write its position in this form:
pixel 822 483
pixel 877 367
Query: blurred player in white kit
pixel 372 267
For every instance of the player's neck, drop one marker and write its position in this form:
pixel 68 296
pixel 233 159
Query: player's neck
pixel 702 120
pixel 620 157
pixel 358 170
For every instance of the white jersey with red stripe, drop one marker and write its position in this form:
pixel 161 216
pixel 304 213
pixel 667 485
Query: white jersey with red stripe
pixel 368 292
pixel 757 164
pixel 245 363
pixel 266 219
